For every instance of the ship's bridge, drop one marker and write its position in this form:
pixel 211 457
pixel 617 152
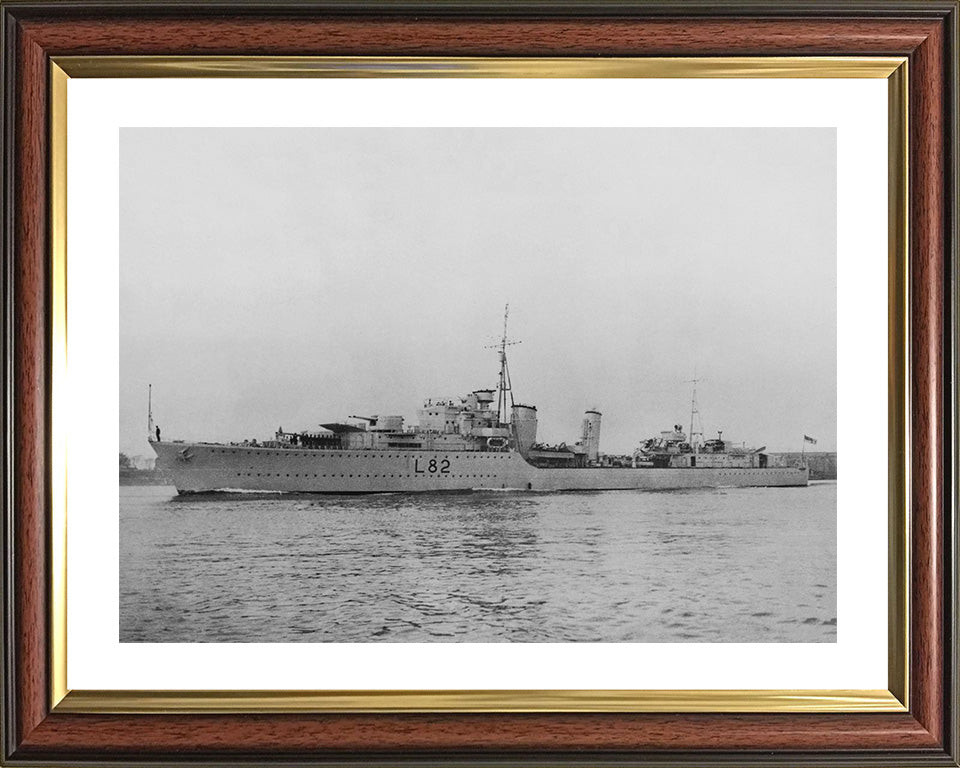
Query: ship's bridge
pixel 439 416
pixel 468 415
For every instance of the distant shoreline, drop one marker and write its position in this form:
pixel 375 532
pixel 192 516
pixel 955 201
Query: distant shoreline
pixel 130 476
pixel 823 464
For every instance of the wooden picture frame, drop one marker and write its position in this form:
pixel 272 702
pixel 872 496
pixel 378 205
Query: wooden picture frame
pixel 41 725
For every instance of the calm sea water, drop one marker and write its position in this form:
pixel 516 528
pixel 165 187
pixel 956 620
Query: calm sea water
pixel 731 565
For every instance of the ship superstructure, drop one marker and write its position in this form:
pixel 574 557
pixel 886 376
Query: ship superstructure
pixel 482 440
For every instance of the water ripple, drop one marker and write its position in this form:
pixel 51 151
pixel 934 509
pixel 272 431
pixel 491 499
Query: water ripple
pixel 735 565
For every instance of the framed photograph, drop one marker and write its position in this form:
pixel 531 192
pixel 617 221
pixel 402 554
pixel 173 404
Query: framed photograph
pixel 530 383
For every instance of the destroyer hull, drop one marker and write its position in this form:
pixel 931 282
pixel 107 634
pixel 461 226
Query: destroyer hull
pixel 202 467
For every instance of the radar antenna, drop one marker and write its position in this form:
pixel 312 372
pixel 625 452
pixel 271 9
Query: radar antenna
pixel 505 389
pixel 694 411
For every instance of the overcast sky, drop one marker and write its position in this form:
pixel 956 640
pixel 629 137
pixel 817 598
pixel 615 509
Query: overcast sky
pixel 294 276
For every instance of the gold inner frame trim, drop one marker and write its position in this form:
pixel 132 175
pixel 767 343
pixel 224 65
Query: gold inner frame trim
pixel 131 702
pixel 434 66
pixel 898 385
pixel 58 370
pixel 893 69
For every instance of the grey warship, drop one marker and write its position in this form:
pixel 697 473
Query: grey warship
pixel 481 441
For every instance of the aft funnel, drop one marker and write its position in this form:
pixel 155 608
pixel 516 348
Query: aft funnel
pixel 591 435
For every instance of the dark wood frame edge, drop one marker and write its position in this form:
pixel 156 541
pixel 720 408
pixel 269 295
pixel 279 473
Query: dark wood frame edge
pixel 8 684
pixel 32 736
pixel 491 8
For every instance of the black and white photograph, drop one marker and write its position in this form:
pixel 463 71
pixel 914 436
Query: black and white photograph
pixel 478 385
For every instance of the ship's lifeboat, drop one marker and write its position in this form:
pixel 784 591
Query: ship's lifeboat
pixel 496 442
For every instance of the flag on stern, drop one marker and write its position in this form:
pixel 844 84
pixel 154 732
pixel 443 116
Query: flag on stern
pixel 808 439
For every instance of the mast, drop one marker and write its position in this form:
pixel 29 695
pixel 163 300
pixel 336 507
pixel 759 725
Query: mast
pixel 505 388
pixel 694 411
